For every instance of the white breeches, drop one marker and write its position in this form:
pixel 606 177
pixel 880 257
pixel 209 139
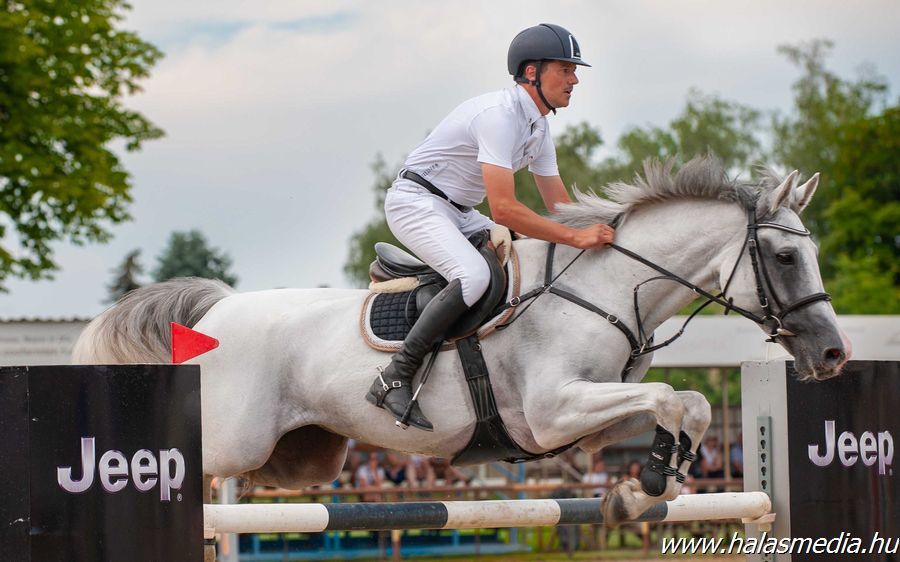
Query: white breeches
pixel 437 232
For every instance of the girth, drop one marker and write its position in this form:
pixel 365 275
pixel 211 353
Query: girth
pixel 490 441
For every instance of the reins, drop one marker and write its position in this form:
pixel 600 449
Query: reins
pixel 642 344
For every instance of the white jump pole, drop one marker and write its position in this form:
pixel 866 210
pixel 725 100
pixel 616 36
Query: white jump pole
pixel 312 518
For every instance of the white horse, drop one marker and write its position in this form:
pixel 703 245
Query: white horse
pixel 285 388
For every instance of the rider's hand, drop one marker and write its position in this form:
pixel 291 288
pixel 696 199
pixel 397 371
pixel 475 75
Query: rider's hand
pixel 594 236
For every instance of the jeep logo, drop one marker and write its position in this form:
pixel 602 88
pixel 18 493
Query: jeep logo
pixel 869 448
pixel 113 468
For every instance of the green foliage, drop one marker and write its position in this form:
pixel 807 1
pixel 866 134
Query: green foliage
pixel 188 255
pixel 706 125
pixel 810 138
pixel 860 252
pixel 64 69
pixel 575 150
pixel 705 381
pixel 125 277
pixel 362 243
pixel 845 130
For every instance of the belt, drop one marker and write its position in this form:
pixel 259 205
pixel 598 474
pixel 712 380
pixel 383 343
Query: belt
pixel 416 178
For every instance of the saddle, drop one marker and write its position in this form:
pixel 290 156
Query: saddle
pixel 402 286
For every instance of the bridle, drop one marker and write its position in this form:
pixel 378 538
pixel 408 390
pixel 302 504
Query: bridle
pixel 772 318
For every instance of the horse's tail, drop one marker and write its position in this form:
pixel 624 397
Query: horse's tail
pixel 137 329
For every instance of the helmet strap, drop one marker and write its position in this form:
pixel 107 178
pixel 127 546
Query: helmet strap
pixel 537 84
pixel 521 79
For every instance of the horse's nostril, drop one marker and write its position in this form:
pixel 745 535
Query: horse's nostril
pixel 835 355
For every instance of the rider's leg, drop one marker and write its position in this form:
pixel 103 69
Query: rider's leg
pixel 392 389
pixel 431 228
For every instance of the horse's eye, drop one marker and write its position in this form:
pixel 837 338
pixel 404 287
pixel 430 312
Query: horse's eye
pixel 785 258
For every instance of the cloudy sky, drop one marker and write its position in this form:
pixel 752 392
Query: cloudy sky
pixel 274 111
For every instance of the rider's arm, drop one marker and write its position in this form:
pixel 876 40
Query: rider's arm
pixel 552 190
pixel 507 210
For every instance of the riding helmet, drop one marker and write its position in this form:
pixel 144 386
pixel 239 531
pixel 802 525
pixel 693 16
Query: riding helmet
pixel 542 42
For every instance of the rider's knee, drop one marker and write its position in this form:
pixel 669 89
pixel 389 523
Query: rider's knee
pixel 475 283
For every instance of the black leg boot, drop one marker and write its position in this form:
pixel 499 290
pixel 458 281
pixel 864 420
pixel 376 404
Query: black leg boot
pixel 392 389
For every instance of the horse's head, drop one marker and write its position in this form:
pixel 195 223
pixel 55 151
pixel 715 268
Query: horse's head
pixel 778 279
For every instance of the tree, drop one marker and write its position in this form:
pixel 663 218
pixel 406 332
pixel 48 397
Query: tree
pixel 189 255
pixel 575 150
pixel 860 250
pixel 64 69
pixel 847 131
pixel 125 277
pixel 824 104
pixel 706 125
pixel 362 243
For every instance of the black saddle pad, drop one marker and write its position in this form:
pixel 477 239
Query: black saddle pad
pixel 393 315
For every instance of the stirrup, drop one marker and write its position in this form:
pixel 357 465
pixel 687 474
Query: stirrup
pixel 377 395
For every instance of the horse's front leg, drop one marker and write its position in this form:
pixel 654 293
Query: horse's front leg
pixel 696 420
pixel 581 408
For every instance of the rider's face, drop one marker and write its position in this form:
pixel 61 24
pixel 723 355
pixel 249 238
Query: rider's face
pixel 557 81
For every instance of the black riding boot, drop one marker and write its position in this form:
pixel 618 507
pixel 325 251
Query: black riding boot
pixel 392 389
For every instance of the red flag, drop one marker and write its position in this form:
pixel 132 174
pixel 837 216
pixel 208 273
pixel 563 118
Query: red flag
pixel 187 344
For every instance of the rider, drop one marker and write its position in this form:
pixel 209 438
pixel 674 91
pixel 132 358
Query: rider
pixel 471 154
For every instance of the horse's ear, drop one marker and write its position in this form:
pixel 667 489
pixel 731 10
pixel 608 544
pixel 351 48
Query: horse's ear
pixel 782 194
pixel 805 193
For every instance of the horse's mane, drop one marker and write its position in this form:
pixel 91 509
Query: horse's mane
pixel 703 177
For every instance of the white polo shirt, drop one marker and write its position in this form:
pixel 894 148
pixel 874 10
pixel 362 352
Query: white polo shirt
pixel 503 128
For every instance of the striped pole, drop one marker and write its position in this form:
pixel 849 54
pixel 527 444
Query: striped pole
pixel 316 517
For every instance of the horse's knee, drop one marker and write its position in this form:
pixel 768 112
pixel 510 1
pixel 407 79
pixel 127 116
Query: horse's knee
pixel 697 412
pixel 668 407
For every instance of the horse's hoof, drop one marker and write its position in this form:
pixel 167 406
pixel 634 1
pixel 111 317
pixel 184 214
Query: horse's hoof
pixel 616 502
pixel 613 510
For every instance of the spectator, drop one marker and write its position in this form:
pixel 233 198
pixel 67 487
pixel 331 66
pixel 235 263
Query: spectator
pixel 689 485
pixel 419 471
pixel 354 459
pixel 597 475
pixel 711 461
pixel 370 475
pixel 396 469
pixel 633 470
pixel 449 473
pixel 737 456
